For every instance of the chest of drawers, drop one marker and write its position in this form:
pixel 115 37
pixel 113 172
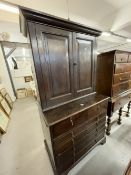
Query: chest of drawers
pixel 114 80
pixel 70 133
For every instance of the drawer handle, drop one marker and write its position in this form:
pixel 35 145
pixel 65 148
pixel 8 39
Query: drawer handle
pixel 72 122
pixel 123 79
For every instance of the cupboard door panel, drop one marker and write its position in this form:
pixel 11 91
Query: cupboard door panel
pixel 55 49
pixel 83 63
pixel 58 59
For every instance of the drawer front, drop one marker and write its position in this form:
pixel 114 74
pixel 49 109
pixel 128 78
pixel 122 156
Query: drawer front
pixel 84 142
pixel 121 57
pixel 61 128
pixel 100 135
pixel 87 126
pixel 63 143
pixel 122 68
pixel 119 88
pixel 85 150
pixel 119 78
pixel 85 115
pixel 64 161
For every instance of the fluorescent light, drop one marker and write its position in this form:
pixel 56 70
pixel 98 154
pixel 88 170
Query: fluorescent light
pixel 98 53
pixel 9 8
pixel 128 40
pixel 105 34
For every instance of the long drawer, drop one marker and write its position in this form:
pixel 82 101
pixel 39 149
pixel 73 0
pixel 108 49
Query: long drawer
pixel 122 68
pixel 119 88
pixel 119 78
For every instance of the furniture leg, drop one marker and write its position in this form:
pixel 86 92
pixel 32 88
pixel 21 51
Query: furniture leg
pixel 108 129
pixel 128 109
pixel 119 119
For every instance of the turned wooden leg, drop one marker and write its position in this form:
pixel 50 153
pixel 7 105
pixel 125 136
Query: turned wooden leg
pixel 128 109
pixel 119 119
pixel 108 129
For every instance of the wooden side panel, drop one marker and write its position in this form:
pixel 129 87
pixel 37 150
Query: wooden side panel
pixel 104 75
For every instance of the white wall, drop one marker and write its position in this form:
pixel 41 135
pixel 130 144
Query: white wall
pixel 4 76
pixel 13 30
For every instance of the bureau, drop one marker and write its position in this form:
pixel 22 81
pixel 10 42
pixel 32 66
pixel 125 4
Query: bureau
pixel 73 115
pixel 74 131
pixel 114 80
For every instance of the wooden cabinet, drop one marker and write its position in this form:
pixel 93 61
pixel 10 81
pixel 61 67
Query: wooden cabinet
pixel 113 79
pixel 73 115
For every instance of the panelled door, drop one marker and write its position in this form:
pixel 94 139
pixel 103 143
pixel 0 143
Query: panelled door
pixel 55 50
pixel 83 46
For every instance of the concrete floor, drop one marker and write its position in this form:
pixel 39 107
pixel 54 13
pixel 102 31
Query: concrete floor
pixel 22 151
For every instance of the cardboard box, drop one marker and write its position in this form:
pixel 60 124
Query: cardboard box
pixel 21 93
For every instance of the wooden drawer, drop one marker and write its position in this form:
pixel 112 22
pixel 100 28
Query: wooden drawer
pixel 85 150
pixel 65 160
pixel 121 57
pixel 122 68
pixel 63 143
pixel 83 141
pixel 100 136
pixel 119 88
pixel 119 78
pixel 61 128
pixel 85 115
pixel 87 126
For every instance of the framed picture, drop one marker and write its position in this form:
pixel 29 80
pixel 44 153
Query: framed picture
pixel 4 105
pixel 28 78
pixel 3 92
pixel 4 120
pixel 9 100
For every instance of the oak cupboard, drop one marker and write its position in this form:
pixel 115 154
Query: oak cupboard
pixel 73 115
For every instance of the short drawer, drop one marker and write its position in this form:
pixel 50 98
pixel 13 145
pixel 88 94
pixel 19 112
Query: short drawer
pixel 61 128
pixel 86 115
pixel 84 135
pixel 121 57
pixel 87 126
pixel 84 141
pixel 63 143
pixel 65 160
pixel 119 78
pixel 85 150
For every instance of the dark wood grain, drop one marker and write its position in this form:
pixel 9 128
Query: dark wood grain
pixel 58 114
pixel 73 115
pixel 113 79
